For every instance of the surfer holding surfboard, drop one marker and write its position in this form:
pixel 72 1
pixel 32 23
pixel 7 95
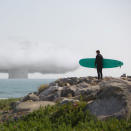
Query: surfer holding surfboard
pixel 99 64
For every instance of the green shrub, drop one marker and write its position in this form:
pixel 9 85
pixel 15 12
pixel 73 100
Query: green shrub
pixel 66 117
pixel 5 104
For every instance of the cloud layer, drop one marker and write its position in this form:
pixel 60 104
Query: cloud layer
pixel 36 57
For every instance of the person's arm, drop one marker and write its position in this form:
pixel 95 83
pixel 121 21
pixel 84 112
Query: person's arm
pixel 96 61
pixel 102 61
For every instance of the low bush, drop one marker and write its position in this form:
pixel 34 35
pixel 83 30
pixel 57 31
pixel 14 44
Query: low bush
pixel 66 117
pixel 42 88
pixel 5 104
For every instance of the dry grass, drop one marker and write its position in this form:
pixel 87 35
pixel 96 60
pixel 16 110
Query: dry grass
pixel 42 88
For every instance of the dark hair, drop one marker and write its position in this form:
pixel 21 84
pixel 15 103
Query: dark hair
pixel 98 51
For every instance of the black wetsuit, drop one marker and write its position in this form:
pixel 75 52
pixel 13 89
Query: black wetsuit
pixel 99 65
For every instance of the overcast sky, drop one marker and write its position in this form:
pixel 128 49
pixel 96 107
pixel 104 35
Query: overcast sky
pixel 78 27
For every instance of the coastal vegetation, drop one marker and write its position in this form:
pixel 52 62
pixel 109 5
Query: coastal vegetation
pixel 5 104
pixel 66 117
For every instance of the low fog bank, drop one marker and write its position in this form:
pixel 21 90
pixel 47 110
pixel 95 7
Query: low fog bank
pixel 23 57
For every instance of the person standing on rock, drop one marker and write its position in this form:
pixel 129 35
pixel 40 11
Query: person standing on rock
pixel 99 64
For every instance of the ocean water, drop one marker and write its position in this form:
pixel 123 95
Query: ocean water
pixel 13 88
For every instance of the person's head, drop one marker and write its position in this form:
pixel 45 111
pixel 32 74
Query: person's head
pixel 97 52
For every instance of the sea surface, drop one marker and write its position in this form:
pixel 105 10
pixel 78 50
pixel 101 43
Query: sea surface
pixel 14 88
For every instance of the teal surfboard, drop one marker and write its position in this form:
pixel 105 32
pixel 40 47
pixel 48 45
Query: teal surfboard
pixel 107 63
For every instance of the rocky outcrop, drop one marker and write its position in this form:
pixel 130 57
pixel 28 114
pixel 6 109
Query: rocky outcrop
pixel 110 97
pixel 70 87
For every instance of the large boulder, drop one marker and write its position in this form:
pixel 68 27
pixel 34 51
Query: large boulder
pixel 113 99
pixel 30 106
pixel 31 96
pixel 88 94
pixel 52 93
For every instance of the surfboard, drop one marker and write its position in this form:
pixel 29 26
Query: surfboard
pixel 107 63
